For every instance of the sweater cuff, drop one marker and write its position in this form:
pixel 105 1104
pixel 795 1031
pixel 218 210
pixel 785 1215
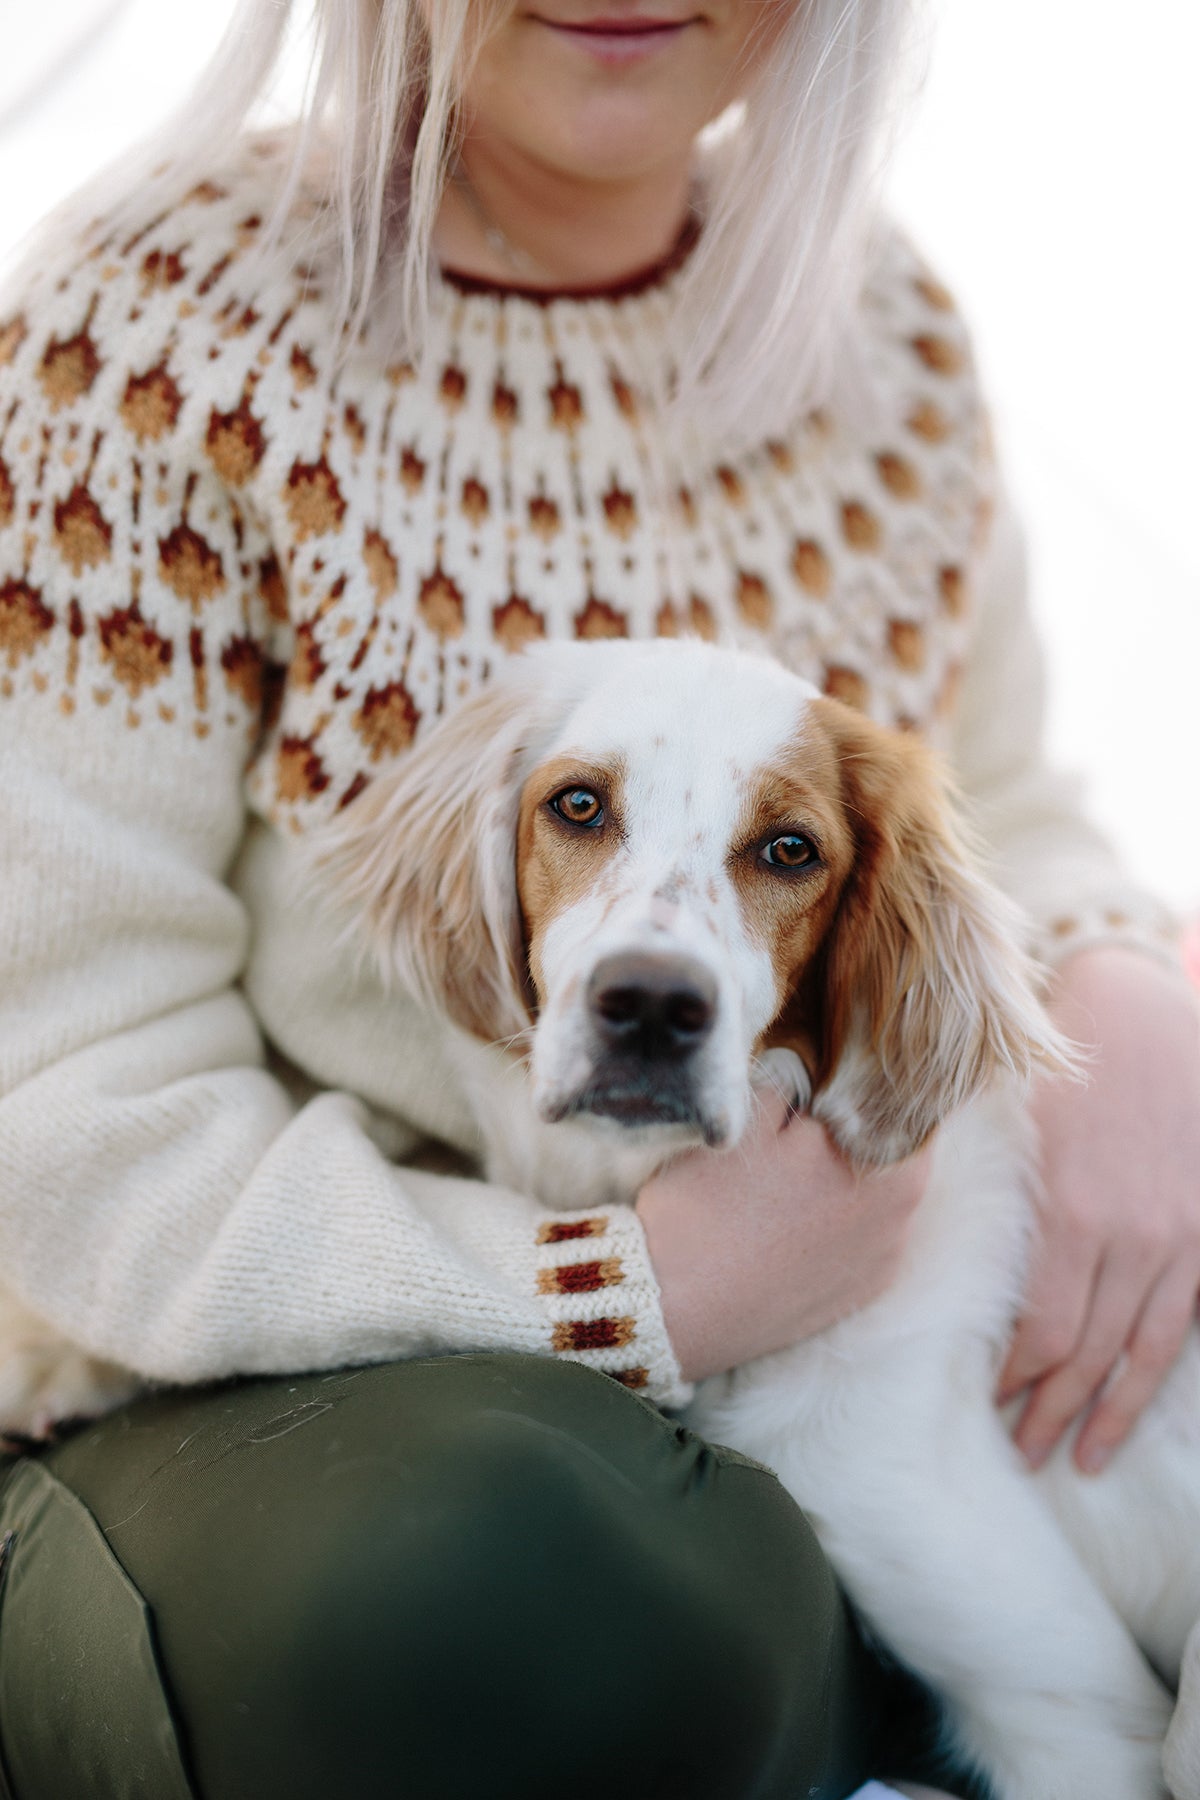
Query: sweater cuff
pixel 1147 928
pixel 593 1275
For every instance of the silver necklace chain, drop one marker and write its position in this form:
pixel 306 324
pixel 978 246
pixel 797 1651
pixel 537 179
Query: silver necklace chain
pixel 496 239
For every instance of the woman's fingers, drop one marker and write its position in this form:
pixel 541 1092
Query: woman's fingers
pixel 1119 1296
pixel 1062 1281
pixel 1158 1336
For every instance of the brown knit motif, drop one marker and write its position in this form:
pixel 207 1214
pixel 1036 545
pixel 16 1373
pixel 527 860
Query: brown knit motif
pixel 194 476
pixel 68 369
pixel 24 620
pixel 190 566
pixel 593 1334
pixel 582 1277
pixel 939 354
pixel 138 656
pixel 151 404
pixel 82 535
pixel 565 1231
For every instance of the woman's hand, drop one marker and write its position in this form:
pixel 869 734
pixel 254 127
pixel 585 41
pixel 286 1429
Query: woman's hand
pixel 1116 1272
pixel 757 1247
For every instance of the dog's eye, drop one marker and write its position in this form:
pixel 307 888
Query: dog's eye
pixel 789 851
pixel 579 806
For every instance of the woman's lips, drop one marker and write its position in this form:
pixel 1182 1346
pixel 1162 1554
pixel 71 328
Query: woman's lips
pixel 617 41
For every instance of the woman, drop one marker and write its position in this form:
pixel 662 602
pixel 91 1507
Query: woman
pixel 298 440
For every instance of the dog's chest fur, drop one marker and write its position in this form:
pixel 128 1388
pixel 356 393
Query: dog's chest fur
pixel 966 1254
pixel 565 1165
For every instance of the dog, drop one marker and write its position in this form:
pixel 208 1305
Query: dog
pixel 637 882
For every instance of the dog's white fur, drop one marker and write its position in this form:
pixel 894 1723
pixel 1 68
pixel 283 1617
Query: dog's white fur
pixel 1034 1605
pixel 1031 1603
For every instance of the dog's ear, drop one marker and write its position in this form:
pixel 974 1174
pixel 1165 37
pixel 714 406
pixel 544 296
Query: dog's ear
pixel 422 865
pixel 921 990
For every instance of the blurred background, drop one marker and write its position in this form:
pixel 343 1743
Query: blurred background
pixel 1049 167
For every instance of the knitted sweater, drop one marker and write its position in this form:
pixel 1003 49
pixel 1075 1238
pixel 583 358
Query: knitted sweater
pixel 236 579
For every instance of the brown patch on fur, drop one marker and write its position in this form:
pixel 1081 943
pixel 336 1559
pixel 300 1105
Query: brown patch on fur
pixel 788 912
pixel 558 863
pixel 412 856
pixel 883 784
pixel 911 969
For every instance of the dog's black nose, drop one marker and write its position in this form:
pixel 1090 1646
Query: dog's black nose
pixel 656 1007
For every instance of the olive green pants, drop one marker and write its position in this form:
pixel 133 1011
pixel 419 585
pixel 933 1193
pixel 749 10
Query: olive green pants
pixel 440 1580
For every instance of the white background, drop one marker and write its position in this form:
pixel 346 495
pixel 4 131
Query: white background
pixel 1051 171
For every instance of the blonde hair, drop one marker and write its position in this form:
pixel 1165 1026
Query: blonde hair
pixel 788 191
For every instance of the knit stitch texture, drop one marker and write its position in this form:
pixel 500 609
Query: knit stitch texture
pixel 237 578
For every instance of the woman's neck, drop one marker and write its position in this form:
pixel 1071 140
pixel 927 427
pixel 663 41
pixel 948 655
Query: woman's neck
pixel 507 219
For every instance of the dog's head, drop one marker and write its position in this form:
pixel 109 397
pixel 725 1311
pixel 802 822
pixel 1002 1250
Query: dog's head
pixel 643 864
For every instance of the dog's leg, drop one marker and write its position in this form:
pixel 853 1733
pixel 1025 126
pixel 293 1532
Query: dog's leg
pixel 1137 1526
pixel 953 1557
pixel 1181 1754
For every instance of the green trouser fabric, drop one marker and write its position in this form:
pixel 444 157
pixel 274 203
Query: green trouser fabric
pixel 428 1581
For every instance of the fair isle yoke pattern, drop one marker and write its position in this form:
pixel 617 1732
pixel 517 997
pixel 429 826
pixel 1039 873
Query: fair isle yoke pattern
pixel 239 575
pixel 203 515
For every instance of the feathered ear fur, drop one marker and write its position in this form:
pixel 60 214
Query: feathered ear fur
pixel 921 991
pixel 423 862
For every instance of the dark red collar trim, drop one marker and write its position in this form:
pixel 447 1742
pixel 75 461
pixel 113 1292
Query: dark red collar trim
pixel 639 283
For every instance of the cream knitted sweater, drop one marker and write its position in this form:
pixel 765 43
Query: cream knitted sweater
pixel 233 584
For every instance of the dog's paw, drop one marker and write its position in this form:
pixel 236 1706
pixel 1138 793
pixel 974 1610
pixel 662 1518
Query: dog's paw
pixel 42 1386
pixel 782 1072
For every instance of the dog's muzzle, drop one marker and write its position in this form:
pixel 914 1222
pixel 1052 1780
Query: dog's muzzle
pixel 651 1009
pixel 648 1017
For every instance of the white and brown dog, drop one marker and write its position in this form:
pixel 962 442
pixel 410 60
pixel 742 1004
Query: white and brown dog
pixel 634 881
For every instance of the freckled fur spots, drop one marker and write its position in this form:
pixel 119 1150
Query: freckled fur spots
pixel 557 863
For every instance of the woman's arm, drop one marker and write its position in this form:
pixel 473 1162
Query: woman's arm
pixel 163 1204
pixel 1115 1279
pixel 758 1247
pixel 1116 1269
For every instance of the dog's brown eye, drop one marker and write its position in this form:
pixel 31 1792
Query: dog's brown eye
pixel 789 851
pixel 579 806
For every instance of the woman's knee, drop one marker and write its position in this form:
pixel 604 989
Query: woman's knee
pixel 473 1572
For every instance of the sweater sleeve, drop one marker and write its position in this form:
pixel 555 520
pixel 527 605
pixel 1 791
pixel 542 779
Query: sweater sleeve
pixel 164 1204
pixel 1048 855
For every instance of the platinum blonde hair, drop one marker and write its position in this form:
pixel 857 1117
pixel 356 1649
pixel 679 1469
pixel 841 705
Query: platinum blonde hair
pixel 788 187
